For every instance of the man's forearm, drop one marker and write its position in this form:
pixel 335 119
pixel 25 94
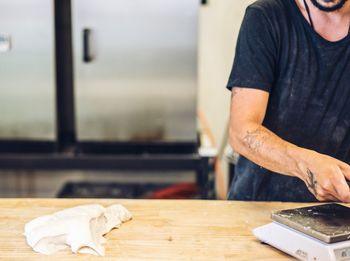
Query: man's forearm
pixel 266 149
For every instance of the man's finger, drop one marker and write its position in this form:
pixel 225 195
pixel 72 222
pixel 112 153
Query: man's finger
pixel 341 187
pixel 341 196
pixel 345 168
pixel 332 198
pixel 324 198
pixel 327 198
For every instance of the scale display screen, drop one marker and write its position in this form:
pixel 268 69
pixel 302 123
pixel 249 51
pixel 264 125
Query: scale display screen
pixel 342 254
pixel 329 223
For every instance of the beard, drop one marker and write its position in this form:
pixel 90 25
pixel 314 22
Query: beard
pixel 329 5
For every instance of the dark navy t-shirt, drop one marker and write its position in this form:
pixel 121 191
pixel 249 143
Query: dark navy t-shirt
pixel 308 79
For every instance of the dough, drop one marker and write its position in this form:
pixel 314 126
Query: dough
pixel 81 228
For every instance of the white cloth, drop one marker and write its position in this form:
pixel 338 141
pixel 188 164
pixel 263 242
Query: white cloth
pixel 81 228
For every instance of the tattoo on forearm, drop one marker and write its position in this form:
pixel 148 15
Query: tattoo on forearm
pixel 311 182
pixel 256 139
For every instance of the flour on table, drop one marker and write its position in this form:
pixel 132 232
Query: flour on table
pixel 81 228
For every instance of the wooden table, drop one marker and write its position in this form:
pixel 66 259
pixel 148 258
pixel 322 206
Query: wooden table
pixel 160 230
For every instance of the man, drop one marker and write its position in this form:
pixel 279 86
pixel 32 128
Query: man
pixel 290 111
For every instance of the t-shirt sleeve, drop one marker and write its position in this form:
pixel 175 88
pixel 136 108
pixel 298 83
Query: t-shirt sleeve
pixel 256 52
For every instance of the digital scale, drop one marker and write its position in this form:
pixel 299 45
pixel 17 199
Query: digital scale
pixel 316 233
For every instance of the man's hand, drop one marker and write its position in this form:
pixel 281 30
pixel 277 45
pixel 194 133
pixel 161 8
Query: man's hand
pixel 325 176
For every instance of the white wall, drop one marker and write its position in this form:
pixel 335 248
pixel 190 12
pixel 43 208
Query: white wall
pixel 219 27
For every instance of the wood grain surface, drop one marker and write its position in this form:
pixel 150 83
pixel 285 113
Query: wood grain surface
pixel 160 230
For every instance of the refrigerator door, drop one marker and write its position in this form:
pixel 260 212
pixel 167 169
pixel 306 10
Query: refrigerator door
pixel 27 94
pixel 135 65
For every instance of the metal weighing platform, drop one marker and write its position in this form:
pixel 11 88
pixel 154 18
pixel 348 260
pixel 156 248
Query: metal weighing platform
pixel 317 233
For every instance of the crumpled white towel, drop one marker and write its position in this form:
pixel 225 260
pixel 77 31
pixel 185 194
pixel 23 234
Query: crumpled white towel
pixel 81 228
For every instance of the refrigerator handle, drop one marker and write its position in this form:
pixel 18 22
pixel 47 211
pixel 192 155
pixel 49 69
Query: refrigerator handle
pixel 5 43
pixel 87 56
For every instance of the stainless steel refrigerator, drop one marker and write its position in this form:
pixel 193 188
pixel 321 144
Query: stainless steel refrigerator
pixel 27 81
pixel 135 69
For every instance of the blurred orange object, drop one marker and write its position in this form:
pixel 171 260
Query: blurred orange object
pixel 177 191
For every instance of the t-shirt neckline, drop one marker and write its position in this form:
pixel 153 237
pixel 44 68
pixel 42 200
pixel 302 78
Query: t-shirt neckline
pixel 309 27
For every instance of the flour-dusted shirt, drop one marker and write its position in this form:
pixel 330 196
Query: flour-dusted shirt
pixel 308 79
